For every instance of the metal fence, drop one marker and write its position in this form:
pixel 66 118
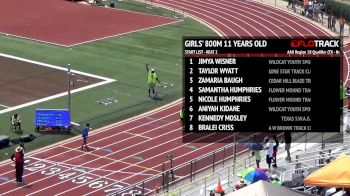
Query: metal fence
pixel 199 168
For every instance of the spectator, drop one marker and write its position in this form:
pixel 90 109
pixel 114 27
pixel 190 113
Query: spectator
pixel 275 150
pixel 288 141
pixel 212 193
pixel 333 22
pixel 341 25
pixel 18 158
pixel 289 4
pixel 269 150
pixel 329 24
pixel 306 7
pixel 342 95
pixel 240 184
pixel 348 94
pixel 257 155
pixel 310 9
pixel 275 180
pixel 322 9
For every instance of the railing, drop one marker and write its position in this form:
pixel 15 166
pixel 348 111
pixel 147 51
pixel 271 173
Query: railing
pixel 187 172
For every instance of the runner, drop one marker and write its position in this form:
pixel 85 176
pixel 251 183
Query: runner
pixel 85 134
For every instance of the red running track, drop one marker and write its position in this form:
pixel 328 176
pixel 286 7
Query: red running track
pixel 64 23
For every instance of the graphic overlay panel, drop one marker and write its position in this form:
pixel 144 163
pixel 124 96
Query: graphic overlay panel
pixel 265 85
pixel 52 117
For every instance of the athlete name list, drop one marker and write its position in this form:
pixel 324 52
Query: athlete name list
pixel 260 85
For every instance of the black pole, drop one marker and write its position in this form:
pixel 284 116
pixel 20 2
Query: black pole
pixel 69 92
pixel 223 160
pixel 195 169
pixel 191 172
pixel 143 187
pixel 163 176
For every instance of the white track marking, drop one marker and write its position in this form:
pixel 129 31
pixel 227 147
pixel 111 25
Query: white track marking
pixel 105 81
pixel 161 163
pixel 112 162
pixel 126 33
pixel 102 129
pixel 98 158
pixel 110 144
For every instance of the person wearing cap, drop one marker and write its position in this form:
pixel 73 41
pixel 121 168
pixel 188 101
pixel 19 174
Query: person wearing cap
pixel 84 135
pixel 18 158
pixel 152 78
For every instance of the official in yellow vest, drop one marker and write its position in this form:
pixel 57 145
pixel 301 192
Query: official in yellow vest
pixel 182 118
pixel 152 78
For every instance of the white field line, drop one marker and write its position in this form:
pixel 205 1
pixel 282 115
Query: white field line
pixel 32 39
pixel 53 66
pixel 106 81
pixel 5 106
pixel 126 33
pixel 54 97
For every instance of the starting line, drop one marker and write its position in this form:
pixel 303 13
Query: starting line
pixel 79 167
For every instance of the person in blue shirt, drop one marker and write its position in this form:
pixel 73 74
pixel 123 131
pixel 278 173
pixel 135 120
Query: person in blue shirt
pixel 85 134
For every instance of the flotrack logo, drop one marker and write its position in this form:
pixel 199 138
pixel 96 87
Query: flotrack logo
pixel 314 43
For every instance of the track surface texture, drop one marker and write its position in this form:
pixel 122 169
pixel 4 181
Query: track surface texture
pixel 66 23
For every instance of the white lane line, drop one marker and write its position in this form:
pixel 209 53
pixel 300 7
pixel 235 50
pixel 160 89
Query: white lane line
pixel 102 129
pixel 119 141
pixel 116 161
pixel 161 163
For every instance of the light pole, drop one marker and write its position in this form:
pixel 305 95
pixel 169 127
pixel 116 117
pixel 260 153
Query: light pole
pixel 69 92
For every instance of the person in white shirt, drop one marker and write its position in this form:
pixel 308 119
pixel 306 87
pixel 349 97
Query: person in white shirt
pixel 269 150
